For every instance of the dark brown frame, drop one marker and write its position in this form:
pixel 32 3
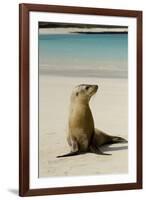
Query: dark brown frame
pixel 24 9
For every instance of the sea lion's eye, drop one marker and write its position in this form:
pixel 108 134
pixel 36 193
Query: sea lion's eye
pixel 77 93
pixel 87 87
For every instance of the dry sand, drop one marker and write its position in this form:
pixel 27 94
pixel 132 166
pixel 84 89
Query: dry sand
pixel 110 111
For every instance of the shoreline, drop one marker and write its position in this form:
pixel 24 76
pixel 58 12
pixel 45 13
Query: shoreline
pixel 103 76
pixel 47 31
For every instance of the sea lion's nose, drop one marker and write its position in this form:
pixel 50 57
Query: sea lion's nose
pixel 96 87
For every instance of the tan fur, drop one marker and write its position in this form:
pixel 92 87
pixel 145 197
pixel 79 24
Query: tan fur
pixel 81 123
pixel 82 135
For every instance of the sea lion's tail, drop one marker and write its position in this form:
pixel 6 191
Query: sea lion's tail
pixel 117 139
pixel 69 154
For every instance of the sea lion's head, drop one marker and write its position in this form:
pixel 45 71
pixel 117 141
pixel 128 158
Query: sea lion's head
pixel 83 93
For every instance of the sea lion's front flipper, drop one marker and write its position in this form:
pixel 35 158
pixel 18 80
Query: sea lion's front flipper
pixel 96 150
pixel 74 148
pixel 69 154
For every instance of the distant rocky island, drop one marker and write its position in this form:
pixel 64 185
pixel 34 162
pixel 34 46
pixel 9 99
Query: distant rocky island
pixel 68 28
pixel 69 25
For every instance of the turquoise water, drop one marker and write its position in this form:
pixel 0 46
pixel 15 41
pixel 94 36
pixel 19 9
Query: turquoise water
pixel 84 55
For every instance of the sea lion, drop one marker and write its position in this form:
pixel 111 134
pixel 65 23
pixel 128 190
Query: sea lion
pixel 82 135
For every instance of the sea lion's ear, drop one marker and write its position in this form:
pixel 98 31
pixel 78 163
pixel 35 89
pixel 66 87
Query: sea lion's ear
pixel 77 93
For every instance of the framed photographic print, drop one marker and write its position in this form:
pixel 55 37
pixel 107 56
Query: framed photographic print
pixel 80 99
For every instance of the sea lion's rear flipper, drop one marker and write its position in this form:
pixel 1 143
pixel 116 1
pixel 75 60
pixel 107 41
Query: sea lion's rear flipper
pixel 96 150
pixel 102 138
pixel 69 154
pixel 116 139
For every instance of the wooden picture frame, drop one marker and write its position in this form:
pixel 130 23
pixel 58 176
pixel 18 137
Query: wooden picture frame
pixel 24 105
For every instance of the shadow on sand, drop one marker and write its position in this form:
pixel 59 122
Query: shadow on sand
pixel 107 148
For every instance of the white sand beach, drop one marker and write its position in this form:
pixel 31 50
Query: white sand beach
pixel 110 111
pixel 73 30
